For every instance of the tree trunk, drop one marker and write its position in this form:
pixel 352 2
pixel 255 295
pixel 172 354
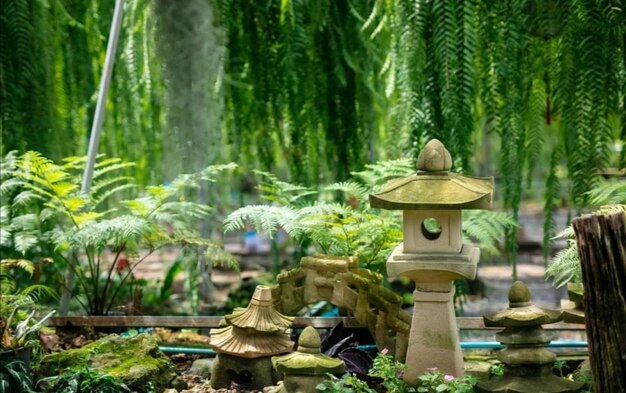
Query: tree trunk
pixel 601 242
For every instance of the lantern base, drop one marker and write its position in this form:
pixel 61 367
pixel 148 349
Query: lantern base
pixel 433 267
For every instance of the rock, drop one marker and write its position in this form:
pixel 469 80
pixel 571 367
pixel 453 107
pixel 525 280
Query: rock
pixel 170 391
pixel 479 369
pixel 202 367
pixel 136 361
pixel 178 383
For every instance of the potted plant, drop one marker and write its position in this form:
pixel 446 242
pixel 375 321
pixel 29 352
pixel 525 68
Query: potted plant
pixel 13 345
pixel 16 324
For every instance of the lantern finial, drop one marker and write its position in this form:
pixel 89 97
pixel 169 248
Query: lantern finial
pixel 434 157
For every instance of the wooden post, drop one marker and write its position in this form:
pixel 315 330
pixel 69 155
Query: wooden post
pixel 601 242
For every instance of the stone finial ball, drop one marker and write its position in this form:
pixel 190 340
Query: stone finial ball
pixel 519 293
pixel 434 157
pixel 309 341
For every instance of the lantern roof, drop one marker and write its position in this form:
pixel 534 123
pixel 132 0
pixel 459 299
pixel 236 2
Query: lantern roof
pixel 521 312
pixel 434 187
pixel 308 359
pixel 255 331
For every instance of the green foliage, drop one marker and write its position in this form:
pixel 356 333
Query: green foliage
pixel 348 383
pixel 435 381
pixel 496 369
pixel 83 380
pixel 76 229
pixel 51 59
pixel 392 371
pixel 304 86
pixel 565 267
pixel 586 377
pixel 15 378
pixel 337 218
pixel 16 327
pixel 321 88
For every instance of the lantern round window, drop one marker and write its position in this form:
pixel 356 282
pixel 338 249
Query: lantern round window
pixel 431 228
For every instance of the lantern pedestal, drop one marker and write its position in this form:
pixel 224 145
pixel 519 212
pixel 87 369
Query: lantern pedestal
pixel 434 337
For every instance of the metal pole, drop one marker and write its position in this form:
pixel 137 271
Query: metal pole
pixel 98 117
pixel 96 128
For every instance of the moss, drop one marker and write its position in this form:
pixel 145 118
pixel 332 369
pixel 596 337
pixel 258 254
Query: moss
pixel 137 361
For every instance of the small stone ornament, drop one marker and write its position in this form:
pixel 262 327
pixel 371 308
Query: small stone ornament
pixel 307 367
pixel 527 362
pixel 245 346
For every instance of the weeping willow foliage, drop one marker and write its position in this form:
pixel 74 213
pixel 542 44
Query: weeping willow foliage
pixel 320 88
pixel 51 57
pixel 302 85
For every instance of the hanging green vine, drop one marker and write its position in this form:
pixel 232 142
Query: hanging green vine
pixel 318 89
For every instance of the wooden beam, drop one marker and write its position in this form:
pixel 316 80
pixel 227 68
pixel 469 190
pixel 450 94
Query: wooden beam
pixel 464 323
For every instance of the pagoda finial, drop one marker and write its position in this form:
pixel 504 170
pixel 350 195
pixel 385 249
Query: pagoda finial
pixel 434 157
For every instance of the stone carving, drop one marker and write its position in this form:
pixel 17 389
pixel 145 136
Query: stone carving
pixel 433 254
pixel 245 346
pixel 527 362
pixel 341 282
pixel 307 367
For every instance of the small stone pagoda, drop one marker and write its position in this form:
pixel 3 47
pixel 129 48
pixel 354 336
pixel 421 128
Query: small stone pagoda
pixel 433 254
pixel 245 346
pixel 527 362
pixel 305 369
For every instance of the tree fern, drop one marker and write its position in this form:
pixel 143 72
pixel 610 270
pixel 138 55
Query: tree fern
pixel 76 229
pixel 339 221
pixel 565 267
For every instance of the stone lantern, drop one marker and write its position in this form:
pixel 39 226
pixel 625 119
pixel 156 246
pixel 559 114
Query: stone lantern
pixel 307 367
pixel 527 362
pixel 433 254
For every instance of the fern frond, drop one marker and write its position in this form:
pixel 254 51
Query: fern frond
pixel 38 292
pixel 377 174
pixel 265 219
pixel 565 266
pixel 24 264
pixel 219 257
pixel 349 189
pixel 610 193
pixel 487 228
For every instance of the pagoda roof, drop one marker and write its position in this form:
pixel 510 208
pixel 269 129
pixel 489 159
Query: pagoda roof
pixel 308 359
pixel 260 315
pixel 239 342
pixel 255 331
pixel 521 311
pixel 433 186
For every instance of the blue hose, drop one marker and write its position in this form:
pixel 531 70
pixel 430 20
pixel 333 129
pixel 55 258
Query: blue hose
pixel 464 345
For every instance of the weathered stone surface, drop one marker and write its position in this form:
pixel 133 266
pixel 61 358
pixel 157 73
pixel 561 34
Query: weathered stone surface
pixel 229 368
pixel 528 364
pixel 434 157
pixel 202 367
pixel 434 187
pixel 481 369
pixel 137 361
pixel 255 331
pixel 433 254
pixel 522 313
pixel 307 367
pixel 340 281
pixel 245 346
